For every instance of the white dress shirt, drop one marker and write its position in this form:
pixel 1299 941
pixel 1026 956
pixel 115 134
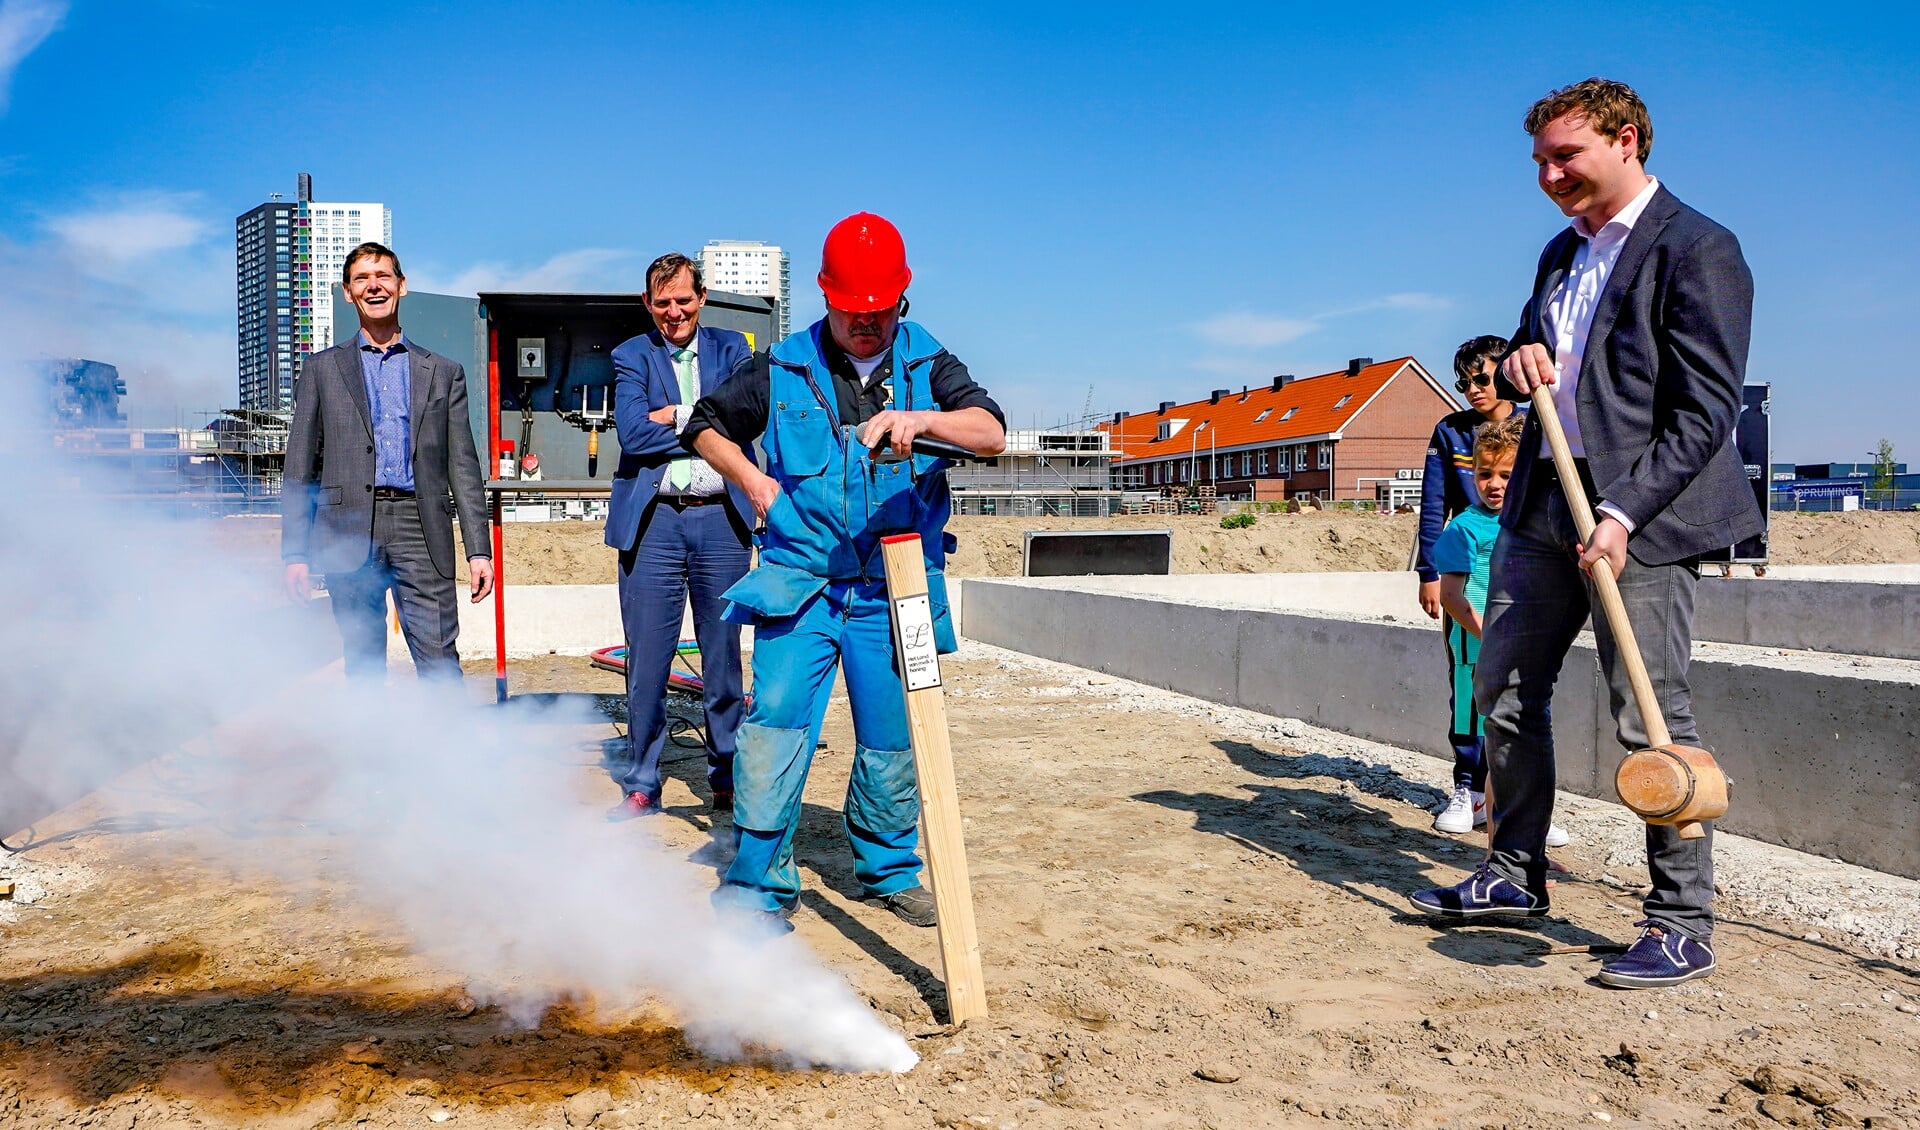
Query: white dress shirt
pixel 705 480
pixel 1570 312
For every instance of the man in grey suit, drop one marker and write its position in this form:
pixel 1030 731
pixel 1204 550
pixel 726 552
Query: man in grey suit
pixel 380 459
pixel 1640 318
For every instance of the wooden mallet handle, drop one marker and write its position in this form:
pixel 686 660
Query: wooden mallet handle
pixel 1626 647
pixel 1652 717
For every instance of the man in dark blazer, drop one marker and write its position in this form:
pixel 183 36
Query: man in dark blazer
pixel 379 460
pixel 1640 319
pixel 681 530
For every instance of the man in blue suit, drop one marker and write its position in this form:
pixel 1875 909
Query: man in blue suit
pixel 1640 316
pixel 680 530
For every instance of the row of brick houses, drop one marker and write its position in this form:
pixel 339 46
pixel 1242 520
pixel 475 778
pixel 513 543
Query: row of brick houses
pixel 1360 433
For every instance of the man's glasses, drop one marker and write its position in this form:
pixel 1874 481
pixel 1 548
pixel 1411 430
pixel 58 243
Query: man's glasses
pixel 1478 380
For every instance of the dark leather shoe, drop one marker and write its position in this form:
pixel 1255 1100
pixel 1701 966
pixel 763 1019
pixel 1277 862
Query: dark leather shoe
pixel 1660 957
pixel 631 806
pixel 723 801
pixel 914 906
pixel 1481 894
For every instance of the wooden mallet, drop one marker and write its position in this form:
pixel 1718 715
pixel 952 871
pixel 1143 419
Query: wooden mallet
pixel 946 850
pixel 1665 783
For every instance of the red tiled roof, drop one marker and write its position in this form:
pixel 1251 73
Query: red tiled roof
pixel 1237 420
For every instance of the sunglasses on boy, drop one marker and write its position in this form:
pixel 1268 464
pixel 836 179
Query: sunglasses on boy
pixel 1478 380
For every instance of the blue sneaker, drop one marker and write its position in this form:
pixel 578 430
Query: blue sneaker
pixel 1483 893
pixel 1661 957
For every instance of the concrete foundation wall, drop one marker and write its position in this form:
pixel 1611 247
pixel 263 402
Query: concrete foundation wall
pixel 1825 756
pixel 1843 616
pixel 541 619
pixel 558 619
pixel 1848 610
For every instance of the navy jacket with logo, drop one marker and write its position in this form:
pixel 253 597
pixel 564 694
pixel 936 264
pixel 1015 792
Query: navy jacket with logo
pixel 1447 486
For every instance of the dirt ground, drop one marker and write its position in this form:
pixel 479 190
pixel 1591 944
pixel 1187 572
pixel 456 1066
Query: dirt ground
pixel 571 553
pixel 1191 917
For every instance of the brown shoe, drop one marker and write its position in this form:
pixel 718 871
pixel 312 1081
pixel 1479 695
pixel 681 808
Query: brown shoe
pixel 914 906
pixel 723 801
pixel 631 806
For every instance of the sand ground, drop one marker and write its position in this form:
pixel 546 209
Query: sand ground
pixel 1191 917
pixel 571 553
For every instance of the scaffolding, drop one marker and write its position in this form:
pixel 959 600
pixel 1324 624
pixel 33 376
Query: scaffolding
pixel 1057 472
pixel 232 464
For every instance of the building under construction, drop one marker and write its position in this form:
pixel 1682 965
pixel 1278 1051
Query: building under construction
pixel 232 464
pixel 1055 473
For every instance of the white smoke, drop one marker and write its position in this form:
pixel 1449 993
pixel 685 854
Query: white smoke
pixel 122 636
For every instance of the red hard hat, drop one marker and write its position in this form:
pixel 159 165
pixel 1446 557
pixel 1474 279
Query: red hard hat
pixel 864 264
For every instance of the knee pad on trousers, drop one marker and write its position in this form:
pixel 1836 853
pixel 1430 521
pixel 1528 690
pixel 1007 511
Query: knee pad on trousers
pixel 769 775
pixel 882 795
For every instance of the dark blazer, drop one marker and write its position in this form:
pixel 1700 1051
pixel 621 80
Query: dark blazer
pixel 327 494
pixel 1659 388
pixel 643 381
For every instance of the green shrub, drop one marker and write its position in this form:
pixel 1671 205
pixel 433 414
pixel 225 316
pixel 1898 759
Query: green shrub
pixel 1239 521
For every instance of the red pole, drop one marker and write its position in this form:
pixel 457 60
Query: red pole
pixel 499 534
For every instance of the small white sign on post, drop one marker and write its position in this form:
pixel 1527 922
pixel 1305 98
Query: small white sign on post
pixel 913 633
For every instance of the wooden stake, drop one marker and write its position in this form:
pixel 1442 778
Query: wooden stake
pixel 942 841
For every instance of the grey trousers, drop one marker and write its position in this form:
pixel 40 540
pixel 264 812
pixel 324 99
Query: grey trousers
pixel 1537 601
pixel 429 608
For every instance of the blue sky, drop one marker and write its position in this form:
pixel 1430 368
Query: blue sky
pixel 1150 200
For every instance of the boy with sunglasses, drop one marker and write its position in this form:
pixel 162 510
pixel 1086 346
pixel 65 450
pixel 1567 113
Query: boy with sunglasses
pixel 1446 492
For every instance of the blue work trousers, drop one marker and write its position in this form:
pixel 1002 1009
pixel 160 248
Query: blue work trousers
pixel 794 660
pixel 696 552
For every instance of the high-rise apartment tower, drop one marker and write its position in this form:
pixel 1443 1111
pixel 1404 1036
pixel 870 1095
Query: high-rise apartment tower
pixel 288 257
pixel 746 267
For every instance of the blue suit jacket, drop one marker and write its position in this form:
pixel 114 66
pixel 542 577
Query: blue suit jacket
pixel 1659 389
pixel 643 382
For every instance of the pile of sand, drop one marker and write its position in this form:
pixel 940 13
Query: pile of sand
pixel 572 553
pixel 1864 537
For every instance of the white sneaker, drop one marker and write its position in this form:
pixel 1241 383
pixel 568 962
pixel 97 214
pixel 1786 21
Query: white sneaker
pixel 1459 815
pixel 1557 836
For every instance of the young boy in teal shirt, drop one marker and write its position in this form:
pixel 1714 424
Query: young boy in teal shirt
pixel 1463 557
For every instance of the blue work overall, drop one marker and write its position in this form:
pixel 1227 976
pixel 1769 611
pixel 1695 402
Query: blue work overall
pixel 818 600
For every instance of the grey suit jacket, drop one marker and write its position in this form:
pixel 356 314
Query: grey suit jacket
pixel 1659 387
pixel 327 494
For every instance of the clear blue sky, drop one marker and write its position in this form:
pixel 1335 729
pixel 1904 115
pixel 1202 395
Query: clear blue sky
pixel 1152 200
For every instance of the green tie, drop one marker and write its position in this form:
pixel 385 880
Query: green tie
pixel 680 471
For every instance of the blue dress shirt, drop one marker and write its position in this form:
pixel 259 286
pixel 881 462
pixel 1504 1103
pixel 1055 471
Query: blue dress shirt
pixel 389 377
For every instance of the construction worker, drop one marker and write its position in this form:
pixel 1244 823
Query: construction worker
pixel 823 403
